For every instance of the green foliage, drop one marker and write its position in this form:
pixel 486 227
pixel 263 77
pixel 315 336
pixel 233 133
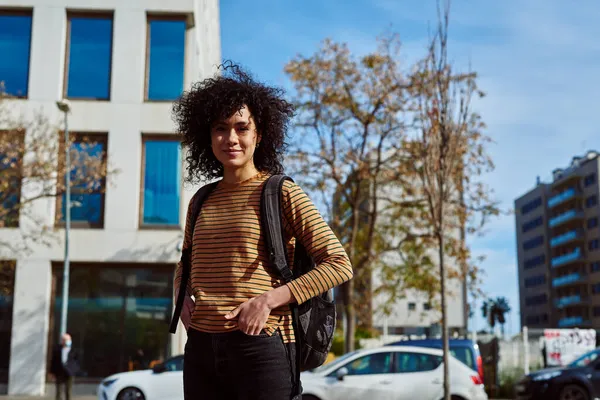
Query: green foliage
pixel 337 346
pixel 507 381
pixel 495 310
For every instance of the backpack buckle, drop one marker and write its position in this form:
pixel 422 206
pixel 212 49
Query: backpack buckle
pixel 281 264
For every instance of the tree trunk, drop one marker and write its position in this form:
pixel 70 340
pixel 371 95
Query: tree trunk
pixel 463 239
pixel 349 315
pixel 445 343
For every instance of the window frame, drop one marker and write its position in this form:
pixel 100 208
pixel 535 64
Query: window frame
pixel 20 134
pixel 87 14
pixel 151 16
pixel 158 137
pixel 92 136
pixel 23 12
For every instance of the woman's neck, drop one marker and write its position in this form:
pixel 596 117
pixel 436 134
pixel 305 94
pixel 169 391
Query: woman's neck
pixel 239 174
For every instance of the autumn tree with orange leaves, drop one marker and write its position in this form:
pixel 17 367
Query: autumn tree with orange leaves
pixel 352 120
pixel 368 141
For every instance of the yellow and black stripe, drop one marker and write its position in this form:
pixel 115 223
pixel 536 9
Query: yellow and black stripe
pixel 230 264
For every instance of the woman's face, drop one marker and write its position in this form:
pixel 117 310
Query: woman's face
pixel 234 140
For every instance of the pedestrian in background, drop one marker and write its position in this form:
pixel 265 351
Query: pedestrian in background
pixel 240 334
pixel 64 366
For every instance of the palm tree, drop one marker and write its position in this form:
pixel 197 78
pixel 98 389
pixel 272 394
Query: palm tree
pixel 495 310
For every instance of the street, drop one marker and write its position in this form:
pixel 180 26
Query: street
pixel 44 398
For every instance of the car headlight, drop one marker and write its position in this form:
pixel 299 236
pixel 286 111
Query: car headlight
pixel 547 376
pixel 108 382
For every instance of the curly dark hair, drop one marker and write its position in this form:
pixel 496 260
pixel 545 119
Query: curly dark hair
pixel 218 98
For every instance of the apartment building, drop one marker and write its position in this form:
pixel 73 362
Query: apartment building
pixel 558 248
pixel 120 64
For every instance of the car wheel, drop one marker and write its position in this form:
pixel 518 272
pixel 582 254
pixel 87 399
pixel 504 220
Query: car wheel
pixel 573 392
pixel 309 397
pixel 130 393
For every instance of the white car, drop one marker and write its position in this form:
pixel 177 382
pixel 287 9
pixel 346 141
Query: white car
pixel 392 372
pixel 163 382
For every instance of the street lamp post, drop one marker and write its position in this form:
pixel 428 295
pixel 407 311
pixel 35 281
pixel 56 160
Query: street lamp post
pixel 64 106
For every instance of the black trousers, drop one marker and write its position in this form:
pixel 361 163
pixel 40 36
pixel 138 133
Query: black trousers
pixel 64 382
pixel 236 366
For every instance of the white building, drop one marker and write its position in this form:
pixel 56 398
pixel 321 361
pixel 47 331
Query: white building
pixel 120 63
pixel 413 314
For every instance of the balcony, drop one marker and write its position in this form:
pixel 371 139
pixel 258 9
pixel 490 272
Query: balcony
pixel 564 217
pixel 566 258
pixel 571 322
pixel 568 194
pixel 565 238
pixel 567 279
pixel 569 300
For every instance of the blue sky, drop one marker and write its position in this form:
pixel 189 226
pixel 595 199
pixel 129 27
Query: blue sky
pixel 537 61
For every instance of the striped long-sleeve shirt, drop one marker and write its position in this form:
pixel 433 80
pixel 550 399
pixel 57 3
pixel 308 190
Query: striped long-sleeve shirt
pixel 230 263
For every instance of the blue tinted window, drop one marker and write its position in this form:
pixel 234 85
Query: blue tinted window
pixel 15 42
pixel 162 182
pixel 87 199
pixel 166 59
pixel 90 49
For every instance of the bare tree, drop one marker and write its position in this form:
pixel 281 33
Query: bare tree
pixel 449 156
pixel 32 168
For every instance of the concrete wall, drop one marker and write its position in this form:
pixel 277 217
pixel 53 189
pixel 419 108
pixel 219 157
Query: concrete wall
pixel 125 117
pixel 401 316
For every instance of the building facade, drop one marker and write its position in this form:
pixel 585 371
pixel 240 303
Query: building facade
pixel 414 315
pixel 558 248
pixel 120 64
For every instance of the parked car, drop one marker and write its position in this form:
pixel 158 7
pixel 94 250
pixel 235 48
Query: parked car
pixel 391 372
pixel 163 382
pixel 579 380
pixel 464 350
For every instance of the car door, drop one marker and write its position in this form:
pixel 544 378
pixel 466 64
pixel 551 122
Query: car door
pixel 416 376
pixel 367 377
pixel 167 382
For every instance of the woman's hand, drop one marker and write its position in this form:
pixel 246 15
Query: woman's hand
pixel 252 315
pixel 186 311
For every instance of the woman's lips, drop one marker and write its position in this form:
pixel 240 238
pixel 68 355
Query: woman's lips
pixel 232 153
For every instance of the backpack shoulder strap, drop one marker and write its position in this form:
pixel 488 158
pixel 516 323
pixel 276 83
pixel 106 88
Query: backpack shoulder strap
pixel 271 217
pixel 186 254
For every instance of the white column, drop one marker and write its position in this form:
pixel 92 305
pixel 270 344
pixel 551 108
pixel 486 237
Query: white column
pixel 48 38
pixel 29 337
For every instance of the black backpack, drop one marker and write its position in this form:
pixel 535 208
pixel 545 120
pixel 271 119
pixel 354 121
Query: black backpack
pixel 314 320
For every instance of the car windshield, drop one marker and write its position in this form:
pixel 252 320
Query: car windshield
pixel 335 362
pixel 585 359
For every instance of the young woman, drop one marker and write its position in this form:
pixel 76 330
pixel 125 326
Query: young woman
pixel 240 336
